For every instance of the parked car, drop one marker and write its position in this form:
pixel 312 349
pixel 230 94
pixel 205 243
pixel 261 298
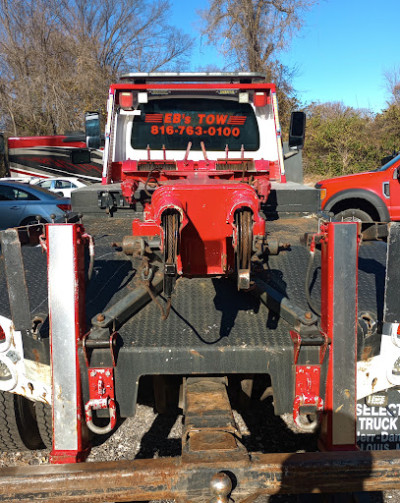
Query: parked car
pixel 372 196
pixel 63 186
pixel 20 204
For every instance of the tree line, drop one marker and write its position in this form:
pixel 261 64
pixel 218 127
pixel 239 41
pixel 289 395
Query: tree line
pixel 58 58
pixel 341 140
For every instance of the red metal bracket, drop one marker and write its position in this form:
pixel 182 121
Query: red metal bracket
pixel 307 399
pixel 102 396
pixel 307 385
pixel 101 385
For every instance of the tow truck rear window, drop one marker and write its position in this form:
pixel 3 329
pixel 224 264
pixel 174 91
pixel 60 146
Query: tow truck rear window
pixel 175 122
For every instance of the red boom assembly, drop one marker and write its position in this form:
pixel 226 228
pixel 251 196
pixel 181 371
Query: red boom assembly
pixel 203 223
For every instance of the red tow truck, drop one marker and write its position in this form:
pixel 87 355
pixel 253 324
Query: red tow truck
pixel 372 196
pixel 180 270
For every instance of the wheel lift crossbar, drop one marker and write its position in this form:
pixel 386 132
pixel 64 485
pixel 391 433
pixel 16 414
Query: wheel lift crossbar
pixel 169 478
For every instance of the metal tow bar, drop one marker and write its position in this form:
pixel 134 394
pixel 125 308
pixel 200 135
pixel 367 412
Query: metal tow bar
pixel 173 478
pixel 214 466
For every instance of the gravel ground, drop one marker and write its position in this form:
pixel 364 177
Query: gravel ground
pixel 149 435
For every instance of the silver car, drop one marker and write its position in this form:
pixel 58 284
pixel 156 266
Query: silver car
pixel 21 204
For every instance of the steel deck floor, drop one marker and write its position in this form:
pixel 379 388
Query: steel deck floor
pixel 209 309
pixel 211 325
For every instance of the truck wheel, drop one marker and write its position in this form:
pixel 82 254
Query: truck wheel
pixel 18 426
pixel 353 215
pixel 44 422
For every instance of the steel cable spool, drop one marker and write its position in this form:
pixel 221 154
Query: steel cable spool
pixel 244 245
pixel 170 223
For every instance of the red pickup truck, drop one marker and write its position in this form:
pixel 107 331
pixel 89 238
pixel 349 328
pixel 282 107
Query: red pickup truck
pixel 367 197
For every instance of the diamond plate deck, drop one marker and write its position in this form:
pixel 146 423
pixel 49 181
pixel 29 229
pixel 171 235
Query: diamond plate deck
pixel 212 328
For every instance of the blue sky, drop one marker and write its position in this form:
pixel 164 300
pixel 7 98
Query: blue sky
pixel 341 53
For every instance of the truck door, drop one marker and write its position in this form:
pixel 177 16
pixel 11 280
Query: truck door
pixel 392 185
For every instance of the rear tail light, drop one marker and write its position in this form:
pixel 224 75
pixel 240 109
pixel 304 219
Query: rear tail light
pixel 64 207
pixel 260 99
pixel 2 335
pixel 126 100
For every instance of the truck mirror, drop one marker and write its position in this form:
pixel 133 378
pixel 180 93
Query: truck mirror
pixel 297 130
pixel 80 156
pixel 92 130
pixel 387 159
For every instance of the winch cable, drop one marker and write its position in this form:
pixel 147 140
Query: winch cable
pixel 310 302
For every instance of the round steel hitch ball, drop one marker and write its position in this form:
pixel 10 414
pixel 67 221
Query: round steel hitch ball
pixel 221 487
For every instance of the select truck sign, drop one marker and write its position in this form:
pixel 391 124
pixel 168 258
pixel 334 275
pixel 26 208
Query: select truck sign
pixel 378 426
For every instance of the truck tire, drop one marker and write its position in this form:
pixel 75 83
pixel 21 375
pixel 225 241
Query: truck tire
pixel 44 422
pixel 353 215
pixel 18 426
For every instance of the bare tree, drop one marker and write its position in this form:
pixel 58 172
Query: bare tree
pixel 31 56
pixel 253 32
pixel 58 57
pixel 389 120
pixel 126 34
pixel 392 78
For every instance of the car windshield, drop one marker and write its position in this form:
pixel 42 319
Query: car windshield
pixel 174 122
